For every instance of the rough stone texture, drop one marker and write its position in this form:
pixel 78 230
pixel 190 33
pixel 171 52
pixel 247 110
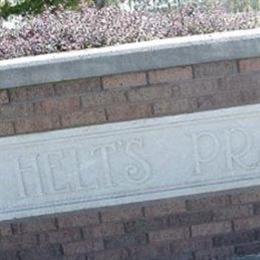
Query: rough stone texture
pixel 124 80
pixel 128 112
pixel 4 99
pixel 169 75
pixel 83 117
pixel 247 223
pixel 53 106
pixel 36 123
pixel 165 208
pixel 211 226
pixel 211 229
pixel 31 93
pixel 216 69
pixel 6 128
pixel 169 234
pixel 128 233
pixel 249 65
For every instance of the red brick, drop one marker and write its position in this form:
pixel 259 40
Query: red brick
pixel 195 244
pixel 223 253
pixel 249 96
pixel 248 249
pixel 52 252
pixel 124 80
pixel 245 197
pixel 75 87
pixel 256 208
pixel 211 229
pixel 6 128
pixel 150 93
pixel 240 82
pixel 81 118
pixel 122 213
pixel 233 212
pixel 9 255
pixel 36 124
pixel 16 110
pixel 207 102
pixel 225 99
pixel 165 207
pixel 61 236
pixel 34 225
pixel 144 224
pixel 215 69
pixel 235 98
pixel 198 87
pixel 247 223
pixel 4 99
pixel 192 218
pixel 75 257
pixel 16 242
pixel 257 93
pixel 104 230
pixel 234 238
pixel 5 229
pixel 154 251
pixel 169 234
pixel 170 75
pixel 54 105
pixel 249 65
pixel 78 219
pixel 186 256
pixel 115 254
pixel 82 247
pixel 103 98
pixel 256 232
pixel 208 202
pixel 31 93
pixel 125 241
pixel 173 107
pixel 128 112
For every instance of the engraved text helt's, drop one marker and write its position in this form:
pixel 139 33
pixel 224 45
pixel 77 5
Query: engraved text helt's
pixel 129 162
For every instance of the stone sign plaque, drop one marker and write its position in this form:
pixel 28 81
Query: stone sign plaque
pixel 128 162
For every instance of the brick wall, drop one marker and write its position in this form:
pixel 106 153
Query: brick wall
pixel 215 226
pixel 129 96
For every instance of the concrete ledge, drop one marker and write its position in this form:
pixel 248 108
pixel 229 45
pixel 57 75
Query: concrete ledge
pixel 121 163
pixel 129 58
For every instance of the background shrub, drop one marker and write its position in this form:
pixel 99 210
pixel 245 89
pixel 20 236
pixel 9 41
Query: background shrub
pixel 64 30
pixel 16 7
pixel 23 7
pixel 231 5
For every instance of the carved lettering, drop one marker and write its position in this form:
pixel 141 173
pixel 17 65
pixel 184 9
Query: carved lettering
pixel 212 147
pixel 233 144
pixel 82 168
pixel 56 167
pixel 107 178
pixel 28 171
pixel 137 161
pixel 139 171
pixel 235 156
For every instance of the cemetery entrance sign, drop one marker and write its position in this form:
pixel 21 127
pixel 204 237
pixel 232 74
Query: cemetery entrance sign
pixel 128 162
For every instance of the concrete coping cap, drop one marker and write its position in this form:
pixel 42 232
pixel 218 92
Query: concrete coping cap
pixel 133 57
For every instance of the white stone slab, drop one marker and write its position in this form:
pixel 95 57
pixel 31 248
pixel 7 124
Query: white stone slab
pixel 129 162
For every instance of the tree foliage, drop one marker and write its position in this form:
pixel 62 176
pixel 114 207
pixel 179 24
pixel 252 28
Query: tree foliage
pixel 34 6
pixel 22 7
